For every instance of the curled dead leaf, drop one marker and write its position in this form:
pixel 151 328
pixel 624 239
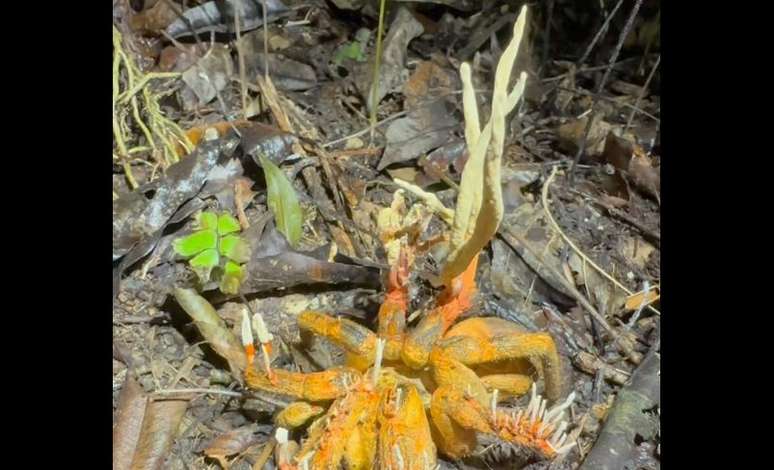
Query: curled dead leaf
pixel 129 417
pixel 231 443
pixel 159 430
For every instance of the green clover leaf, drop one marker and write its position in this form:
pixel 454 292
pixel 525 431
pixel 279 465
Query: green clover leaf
pixel 216 244
pixel 196 243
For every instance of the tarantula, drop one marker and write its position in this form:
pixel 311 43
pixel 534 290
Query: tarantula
pixel 395 378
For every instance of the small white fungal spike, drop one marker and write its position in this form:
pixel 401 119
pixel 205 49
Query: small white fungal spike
pixel 281 435
pixel 398 457
pixel 558 434
pixel 556 411
pixel 305 460
pixel 494 404
pixel 378 360
pixel 211 133
pixel 259 326
pixel 247 332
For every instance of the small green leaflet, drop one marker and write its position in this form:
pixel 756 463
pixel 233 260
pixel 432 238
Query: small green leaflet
pixel 283 202
pixel 214 243
pixel 227 224
pixel 233 247
pixel 196 243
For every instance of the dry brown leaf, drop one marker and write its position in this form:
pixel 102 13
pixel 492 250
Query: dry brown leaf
pixel 129 417
pixel 154 19
pixel 231 443
pixel 242 197
pixel 571 134
pixel 159 429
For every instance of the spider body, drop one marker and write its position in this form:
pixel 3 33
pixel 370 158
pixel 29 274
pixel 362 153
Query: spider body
pixel 406 395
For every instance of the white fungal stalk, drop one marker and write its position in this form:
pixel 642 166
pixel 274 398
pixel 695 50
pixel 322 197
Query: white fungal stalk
pixel 494 405
pixel 378 360
pixel 265 338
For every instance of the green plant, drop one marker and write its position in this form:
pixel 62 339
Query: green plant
pixel 283 202
pixel 216 246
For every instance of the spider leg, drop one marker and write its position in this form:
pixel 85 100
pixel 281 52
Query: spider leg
pixel 296 414
pixel 405 441
pixel 494 341
pixel 358 341
pixel 458 407
pixel 461 407
pixel 347 432
pixel 314 386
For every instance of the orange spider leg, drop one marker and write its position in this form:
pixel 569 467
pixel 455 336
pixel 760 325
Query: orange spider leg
pixel 358 341
pixel 456 299
pixel 404 432
pixel 313 386
pixel 332 437
pixel 296 414
pixel 479 341
pixel 458 406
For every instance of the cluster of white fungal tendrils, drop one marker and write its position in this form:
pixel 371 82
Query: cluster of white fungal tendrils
pixel 551 421
pixel 535 426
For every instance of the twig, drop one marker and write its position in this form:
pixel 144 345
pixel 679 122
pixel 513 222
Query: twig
pixel 241 58
pixel 592 365
pixel 211 391
pixel 600 86
pixel 547 34
pixel 124 97
pixel 555 226
pixel 633 107
pixel 265 454
pixel 377 63
pixel 599 34
pixel 366 130
pixel 628 417
pixel 642 93
pixel 265 41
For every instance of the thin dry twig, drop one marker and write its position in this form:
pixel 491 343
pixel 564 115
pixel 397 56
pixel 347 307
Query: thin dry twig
pixel 600 33
pixel 209 391
pixel 591 365
pixel 642 93
pixel 366 130
pixel 241 58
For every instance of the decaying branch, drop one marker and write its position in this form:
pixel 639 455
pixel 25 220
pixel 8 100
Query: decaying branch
pixel 629 417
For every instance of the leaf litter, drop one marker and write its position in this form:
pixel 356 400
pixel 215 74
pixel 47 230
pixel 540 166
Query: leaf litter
pixel 563 250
